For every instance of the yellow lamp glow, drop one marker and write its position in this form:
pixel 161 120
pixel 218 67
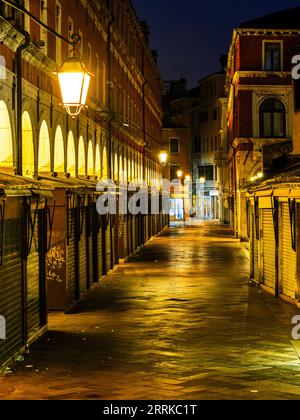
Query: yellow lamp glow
pixel 188 178
pixel 74 81
pixel 163 157
pixel 202 180
pixel 179 173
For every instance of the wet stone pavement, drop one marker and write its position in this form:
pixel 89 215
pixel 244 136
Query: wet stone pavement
pixel 179 321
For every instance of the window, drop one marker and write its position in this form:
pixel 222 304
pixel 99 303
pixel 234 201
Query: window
pixel 173 172
pixel 272 56
pixel 206 172
pixel 272 119
pixel 174 145
pixel 215 115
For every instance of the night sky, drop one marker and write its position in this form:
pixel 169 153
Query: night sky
pixel 191 35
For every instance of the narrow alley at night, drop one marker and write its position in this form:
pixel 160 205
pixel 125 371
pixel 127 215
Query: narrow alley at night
pixel 149 204
pixel 179 321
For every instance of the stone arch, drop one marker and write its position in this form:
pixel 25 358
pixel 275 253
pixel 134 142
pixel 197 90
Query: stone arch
pixel 28 162
pixel 116 167
pixel 98 162
pixel 71 155
pixel 81 157
pixel 6 142
pixel 44 159
pixel 59 151
pixel 121 172
pixel 91 161
pixel 104 164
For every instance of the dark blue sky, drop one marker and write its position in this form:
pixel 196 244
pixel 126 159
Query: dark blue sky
pixel 191 35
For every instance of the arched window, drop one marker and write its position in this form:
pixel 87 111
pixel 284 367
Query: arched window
pixel 129 176
pixel 98 161
pixel 6 146
pixel 91 159
pixel 81 157
pixel 121 173
pixel 272 116
pixel 104 164
pixel 125 170
pixel 44 149
pixel 27 146
pixel 59 152
pixel 71 162
pixel 116 168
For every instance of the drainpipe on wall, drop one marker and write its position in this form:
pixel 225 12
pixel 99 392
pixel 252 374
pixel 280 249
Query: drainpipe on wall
pixel 19 71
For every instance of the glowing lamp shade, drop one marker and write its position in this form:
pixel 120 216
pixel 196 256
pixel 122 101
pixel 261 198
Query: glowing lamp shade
pixel 74 82
pixel 179 174
pixel 163 157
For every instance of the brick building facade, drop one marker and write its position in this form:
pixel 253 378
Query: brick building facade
pixel 54 245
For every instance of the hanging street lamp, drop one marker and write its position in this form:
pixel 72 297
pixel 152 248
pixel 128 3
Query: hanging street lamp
pixel 163 157
pixel 179 173
pixel 74 80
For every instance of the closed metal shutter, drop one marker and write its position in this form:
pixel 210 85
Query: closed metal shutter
pixel 150 225
pixel 33 281
pixel 11 297
pixel 108 247
pixel 288 257
pixel 255 254
pixel 133 233
pixel 121 237
pixel 269 250
pixel 125 233
pixel 89 248
pixel 153 224
pixel 99 255
pixel 71 259
pixel 146 228
pixel 82 255
pixel 129 230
